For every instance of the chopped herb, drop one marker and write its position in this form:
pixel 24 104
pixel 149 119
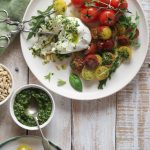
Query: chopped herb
pixel 61 82
pixel 48 77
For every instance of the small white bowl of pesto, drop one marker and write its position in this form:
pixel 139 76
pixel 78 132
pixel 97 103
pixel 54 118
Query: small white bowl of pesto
pixel 20 101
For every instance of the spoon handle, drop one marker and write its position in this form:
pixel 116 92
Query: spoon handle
pixel 36 120
pixel 46 144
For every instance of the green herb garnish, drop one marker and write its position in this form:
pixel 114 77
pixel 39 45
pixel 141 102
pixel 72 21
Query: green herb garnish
pixel 36 21
pixel 48 77
pixel 61 82
pixel 112 69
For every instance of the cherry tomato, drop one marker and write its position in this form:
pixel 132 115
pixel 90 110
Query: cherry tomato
pixel 100 45
pixel 137 33
pixel 77 3
pixel 107 17
pixel 87 15
pixel 108 45
pixel 122 4
pixel 123 40
pixel 91 62
pixel 103 3
pixel 77 64
pixel 92 49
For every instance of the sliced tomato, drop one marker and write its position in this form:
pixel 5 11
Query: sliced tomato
pixel 88 15
pixel 107 17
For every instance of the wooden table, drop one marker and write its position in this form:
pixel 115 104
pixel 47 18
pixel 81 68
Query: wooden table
pixel 121 121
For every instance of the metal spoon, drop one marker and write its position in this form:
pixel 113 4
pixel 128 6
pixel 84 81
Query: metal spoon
pixel 32 110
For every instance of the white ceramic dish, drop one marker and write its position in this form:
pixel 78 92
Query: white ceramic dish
pixel 120 78
pixel 11 91
pixel 34 142
pixel 12 103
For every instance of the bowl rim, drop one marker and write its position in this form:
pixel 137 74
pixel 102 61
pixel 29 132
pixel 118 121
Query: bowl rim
pixel 13 100
pixel 12 82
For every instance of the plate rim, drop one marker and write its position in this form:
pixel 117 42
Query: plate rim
pixel 81 98
pixel 16 138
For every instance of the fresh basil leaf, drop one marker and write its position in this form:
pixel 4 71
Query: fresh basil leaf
pixel 75 82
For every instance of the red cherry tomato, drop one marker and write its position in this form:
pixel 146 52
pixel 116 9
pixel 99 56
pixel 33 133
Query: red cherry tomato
pixel 88 15
pixel 103 3
pixel 91 62
pixel 137 33
pixel 77 3
pixel 107 17
pixel 92 49
pixel 122 4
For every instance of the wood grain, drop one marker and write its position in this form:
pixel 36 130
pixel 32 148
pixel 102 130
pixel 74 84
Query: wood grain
pixel 13 59
pixel 133 108
pixel 94 124
pixel 59 129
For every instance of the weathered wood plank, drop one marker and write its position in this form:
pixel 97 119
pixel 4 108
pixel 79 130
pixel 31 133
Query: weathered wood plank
pixel 59 130
pixel 13 59
pixel 133 108
pixel 94 124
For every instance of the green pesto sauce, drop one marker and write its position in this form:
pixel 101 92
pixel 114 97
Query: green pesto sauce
pixel 75 38
pixel 22 101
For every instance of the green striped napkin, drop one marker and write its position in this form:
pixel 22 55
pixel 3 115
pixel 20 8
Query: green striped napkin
pixel 16 9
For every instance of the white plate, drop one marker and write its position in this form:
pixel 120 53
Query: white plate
pixel 33 142
pixel 120 78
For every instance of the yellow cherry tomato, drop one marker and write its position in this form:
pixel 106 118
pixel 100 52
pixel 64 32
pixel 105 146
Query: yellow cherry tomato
pixel 125 52
pixel 102 73
pixel 23 147
pixel 121 29
pixel 88 74
pixel 60 6
pixel 99 58
pixel 105 32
